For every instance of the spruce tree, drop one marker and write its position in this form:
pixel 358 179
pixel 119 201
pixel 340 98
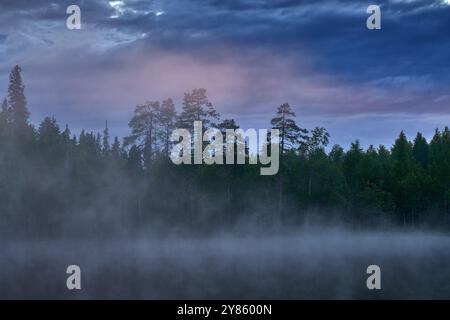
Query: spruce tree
pixel 106 146
pixel 401 156
pixel 17 101
pixel 421 150
pixel 4 118
pixel 116 149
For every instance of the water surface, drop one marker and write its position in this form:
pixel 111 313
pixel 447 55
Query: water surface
pixel 325 264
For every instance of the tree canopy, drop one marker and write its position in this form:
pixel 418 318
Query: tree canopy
pixel 53 178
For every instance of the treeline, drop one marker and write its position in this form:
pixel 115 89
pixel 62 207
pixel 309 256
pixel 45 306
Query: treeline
pixel 54 183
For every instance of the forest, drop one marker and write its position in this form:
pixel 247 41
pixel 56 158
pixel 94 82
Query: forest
pixel 57 184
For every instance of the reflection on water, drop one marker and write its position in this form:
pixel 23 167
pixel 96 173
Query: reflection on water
pixel 316 264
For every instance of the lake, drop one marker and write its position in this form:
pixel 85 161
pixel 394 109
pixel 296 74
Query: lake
pixel 303 264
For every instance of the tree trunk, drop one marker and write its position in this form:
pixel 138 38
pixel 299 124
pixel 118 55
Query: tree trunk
pixel 280 201
pixel 310 184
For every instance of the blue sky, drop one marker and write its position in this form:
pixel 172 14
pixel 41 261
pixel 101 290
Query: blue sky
pixel 251 55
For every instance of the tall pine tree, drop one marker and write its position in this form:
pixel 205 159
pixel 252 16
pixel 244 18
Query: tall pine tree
pixel 167 119
pixel 197 107
pixel 290 134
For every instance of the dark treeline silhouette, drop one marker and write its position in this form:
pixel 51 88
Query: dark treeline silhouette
pixel 53 183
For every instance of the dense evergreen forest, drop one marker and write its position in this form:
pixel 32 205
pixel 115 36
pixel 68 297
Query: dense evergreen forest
pixel 53 183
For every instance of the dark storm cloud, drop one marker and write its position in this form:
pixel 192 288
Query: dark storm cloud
pixel 251 54
pixel 332 32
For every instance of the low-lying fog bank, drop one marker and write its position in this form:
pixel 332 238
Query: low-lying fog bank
pixel 313 263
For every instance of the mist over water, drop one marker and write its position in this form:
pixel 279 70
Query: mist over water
pixel 302 264
pixel 141 227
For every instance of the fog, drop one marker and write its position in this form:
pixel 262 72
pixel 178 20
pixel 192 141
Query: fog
pixel 306 263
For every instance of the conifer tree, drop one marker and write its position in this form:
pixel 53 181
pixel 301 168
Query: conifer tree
pixel 197 107
pixel 421 150
pixel 143 130
pixel 167 119
pixel 116 149
pixel 17 101
pixel 106 146
pixel 291 136
pixel 4 118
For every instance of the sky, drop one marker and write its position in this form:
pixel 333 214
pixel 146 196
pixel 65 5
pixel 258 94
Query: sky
pixel 251 56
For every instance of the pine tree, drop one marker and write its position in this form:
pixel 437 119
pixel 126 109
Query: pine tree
pixel 291 136
pixel 227 124
pixel 167 119
pixel 319 139
pixel 197 107
pixel 230 124
pixel 143 130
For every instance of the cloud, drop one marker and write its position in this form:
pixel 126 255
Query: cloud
pixel 251 55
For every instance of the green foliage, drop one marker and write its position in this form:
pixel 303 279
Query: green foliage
pixel 197 107
pixel 53 175
pixel 291 136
